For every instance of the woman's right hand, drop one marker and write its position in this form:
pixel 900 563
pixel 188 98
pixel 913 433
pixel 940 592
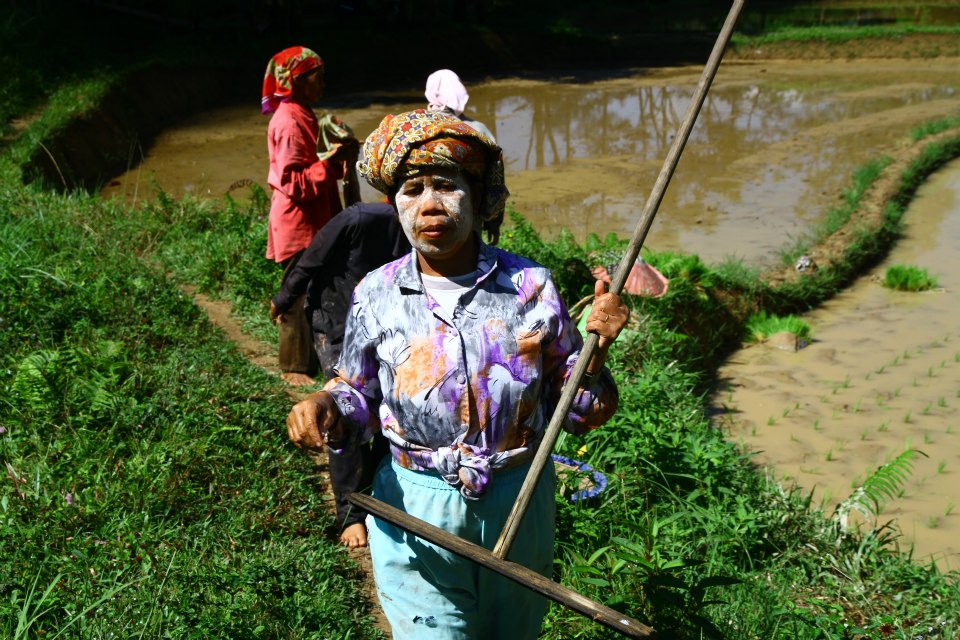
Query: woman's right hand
pixel 314 421
pixel 275 314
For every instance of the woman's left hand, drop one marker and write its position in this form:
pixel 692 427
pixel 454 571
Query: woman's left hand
pixel 608 316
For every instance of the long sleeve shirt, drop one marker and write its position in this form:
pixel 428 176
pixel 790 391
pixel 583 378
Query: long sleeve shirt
pixel 469 392
pixel 359 239
pixel 304 192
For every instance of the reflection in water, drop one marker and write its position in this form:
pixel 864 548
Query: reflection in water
pixel 772 146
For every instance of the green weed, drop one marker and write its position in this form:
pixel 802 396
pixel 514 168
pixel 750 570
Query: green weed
pixel 761 326
pixel 908 278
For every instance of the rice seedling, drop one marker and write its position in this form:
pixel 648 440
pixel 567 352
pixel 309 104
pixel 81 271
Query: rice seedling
pixel 949 508
pixel 884 426
pixel 941 467
pixel 941 402
pixel 908 278
pixel 762 325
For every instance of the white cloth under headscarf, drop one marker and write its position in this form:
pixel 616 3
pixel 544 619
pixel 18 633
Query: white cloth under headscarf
pixel 445 91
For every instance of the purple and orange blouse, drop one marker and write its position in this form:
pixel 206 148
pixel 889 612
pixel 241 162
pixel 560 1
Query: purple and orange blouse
pixel 465 393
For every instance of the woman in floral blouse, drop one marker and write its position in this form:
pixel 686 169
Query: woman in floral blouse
pixel 458 352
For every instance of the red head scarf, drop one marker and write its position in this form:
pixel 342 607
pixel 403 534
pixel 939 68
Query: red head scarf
pixel 281 70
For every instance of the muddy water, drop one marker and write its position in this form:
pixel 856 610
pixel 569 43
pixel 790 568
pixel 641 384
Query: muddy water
pixel 881 375
pixel 774 146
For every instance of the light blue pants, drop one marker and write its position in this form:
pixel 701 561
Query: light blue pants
pixel 428 593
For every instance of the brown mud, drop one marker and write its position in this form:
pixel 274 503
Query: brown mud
pixel 773 148
pixel 881 376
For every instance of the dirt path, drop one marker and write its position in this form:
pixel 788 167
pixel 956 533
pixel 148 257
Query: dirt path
pixel 265 356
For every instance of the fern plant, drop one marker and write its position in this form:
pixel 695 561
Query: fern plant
pixel 883 485
pixel 82 384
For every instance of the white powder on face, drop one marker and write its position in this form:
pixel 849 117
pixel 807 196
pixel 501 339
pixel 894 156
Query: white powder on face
pixel 429 201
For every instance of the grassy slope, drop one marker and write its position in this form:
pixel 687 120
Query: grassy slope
pixel 148 473
pixel 148 467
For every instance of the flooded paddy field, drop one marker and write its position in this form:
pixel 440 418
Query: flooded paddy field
pixel 773 149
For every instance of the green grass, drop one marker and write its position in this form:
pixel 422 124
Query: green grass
pixel 836 217
pixel 838 34
pixel 908 278
pixel 762 325
pixel 934 127
pixel 151 491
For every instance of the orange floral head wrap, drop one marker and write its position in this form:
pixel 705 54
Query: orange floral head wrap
pixel 416 142
pixel 281 70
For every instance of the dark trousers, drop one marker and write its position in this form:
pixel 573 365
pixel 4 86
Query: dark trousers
pixel 354 473
pixel 296 337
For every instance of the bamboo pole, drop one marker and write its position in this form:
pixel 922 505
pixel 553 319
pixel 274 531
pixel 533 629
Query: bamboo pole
pixel 572 385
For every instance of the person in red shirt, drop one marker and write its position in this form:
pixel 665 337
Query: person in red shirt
pixel 304 193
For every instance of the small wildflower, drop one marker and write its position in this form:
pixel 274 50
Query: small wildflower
pixel 3 429
pixel 68 497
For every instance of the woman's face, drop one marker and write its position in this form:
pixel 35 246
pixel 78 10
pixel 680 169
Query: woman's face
pixel 309 86
pixel 438 216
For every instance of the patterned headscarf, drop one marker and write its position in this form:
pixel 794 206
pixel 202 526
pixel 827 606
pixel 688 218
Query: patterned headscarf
pixel 408 144
pixel 281 70
pixel 445 91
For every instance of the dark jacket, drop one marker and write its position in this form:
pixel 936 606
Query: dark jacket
pixel 356 241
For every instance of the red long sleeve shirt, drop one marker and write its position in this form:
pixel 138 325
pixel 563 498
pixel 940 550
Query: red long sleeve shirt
pixel 304 189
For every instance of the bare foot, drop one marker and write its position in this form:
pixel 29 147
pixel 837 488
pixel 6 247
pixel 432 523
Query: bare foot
pixel 354 536
pixel 297 379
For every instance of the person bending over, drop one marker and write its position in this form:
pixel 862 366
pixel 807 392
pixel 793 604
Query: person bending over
pixel 359 239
